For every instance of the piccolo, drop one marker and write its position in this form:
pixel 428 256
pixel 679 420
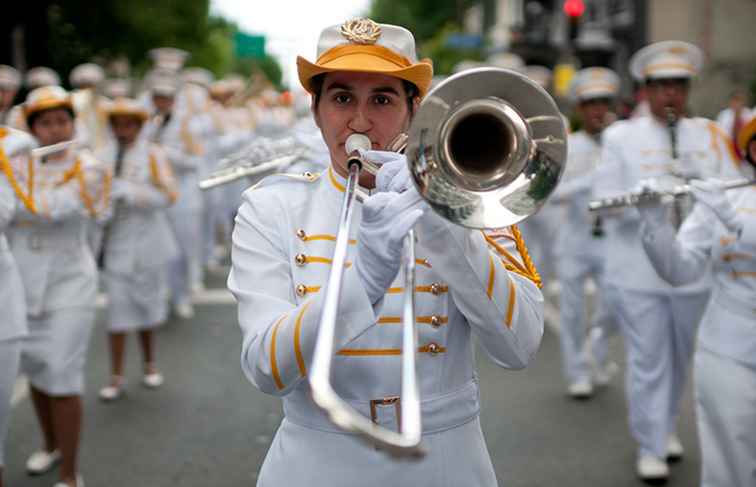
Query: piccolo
pixel 651 196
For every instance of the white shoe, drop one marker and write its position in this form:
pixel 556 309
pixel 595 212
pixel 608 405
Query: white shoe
pixel 582 389
pixel 79 482
pixel 42 461
pixel 113 392
pixel 652 468
pixel 153 380
pixel 603 375
pixel 185 311
pixel 675 449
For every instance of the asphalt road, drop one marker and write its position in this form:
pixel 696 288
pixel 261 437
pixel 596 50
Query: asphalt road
pixel 208 426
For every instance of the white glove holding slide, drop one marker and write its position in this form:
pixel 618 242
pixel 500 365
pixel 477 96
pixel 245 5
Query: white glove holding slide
pixel 386 219
pixel 655 213
pixel 711 194
pixel 394 174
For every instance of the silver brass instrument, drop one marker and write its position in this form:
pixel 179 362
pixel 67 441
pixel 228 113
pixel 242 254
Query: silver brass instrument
pixel 651 196
pixel 259 158
pixel 486 148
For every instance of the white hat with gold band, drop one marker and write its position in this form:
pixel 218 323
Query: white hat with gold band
pixel 128 107
pixel 46 98
pixel 665 60
pixel 162 83
pixel 41 76
pixel 365 46
pixel 10 78
pixel 168 58
pixel 87 74
pixel 116 88
pixel 592 83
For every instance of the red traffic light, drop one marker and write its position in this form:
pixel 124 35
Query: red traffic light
pixel 574 8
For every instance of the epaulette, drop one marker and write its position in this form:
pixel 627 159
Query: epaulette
pixel 305 177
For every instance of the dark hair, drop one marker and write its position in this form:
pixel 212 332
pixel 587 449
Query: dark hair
pixel 317 81
pixel 34 116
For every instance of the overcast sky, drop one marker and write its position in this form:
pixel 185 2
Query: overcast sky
pixel 291 26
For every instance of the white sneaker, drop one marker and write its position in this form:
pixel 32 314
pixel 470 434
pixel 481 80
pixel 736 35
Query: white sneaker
pixel 113 392
pixel 603 375
pixel 582 389
pixel 153 380
pixel 42 461
pixel 185 311
pixel 675 449
pixel 652 468
pixel 79 482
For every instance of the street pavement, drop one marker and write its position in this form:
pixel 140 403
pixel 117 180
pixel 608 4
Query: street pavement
pixel 208 426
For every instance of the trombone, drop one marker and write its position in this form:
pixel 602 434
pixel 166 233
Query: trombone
pixel 485 149
pixel 649 196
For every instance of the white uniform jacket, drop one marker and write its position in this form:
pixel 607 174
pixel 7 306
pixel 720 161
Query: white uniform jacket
pixel 139 234
pixel 12 300
pixel 729 325
pixel 639 149
pixel 574 192
pixel 50 246
pixel 282 245
pixel 179 138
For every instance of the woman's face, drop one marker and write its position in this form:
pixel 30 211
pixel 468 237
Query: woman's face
pixel 360 103
pixel 53 126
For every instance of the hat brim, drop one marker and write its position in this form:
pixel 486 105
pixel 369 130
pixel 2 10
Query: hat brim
pixel 420 74
pixel 746 134
pixel 48 105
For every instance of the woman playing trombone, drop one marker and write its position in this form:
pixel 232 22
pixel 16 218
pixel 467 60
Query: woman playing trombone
pixel 367 80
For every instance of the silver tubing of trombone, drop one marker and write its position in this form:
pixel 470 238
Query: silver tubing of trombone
pixel 411 421
pixel 225 176
pixel 338 410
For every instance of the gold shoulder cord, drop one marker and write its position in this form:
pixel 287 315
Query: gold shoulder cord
pixel 157 180
pixel 28 198
pixel 90 201
pixel 527 268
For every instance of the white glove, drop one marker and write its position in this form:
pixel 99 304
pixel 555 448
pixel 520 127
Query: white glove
pixel 386 219
pixel 394 174
pixel 17 142
pixel 122 190
pixel 711 194
pixel 653 212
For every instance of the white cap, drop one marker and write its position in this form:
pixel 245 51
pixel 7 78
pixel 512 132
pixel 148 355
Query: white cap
pixel 168 58
pixel 198 76
pixel 162 83
pixel 41 76
pixel 666 59
pixel 365 31
pixel 10 78
pixel 539 74
pixel 590 83
pixel 117 88
pixel 506 60
pixel 87 74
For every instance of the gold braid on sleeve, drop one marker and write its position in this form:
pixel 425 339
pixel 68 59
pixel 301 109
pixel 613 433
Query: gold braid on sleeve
pixel 526 268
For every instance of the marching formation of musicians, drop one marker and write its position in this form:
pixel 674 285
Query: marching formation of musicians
pixel 100 189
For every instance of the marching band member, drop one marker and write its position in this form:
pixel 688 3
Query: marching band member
pixel 10 82
pixel 581 246
pixel 91 108
pixel 666 146
pixel 367 79
pixel 178 135
pixel 116 88
pixel 12 302
pixel 35 78
pixel 721 230
pixel 735 116
pixel 66 189
pixel 138 243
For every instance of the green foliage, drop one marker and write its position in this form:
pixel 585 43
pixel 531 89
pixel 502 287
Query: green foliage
pixel 445 58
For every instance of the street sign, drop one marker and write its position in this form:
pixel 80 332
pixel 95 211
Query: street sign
pixel 249 46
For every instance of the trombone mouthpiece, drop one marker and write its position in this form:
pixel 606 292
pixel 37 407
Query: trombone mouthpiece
pixel 357 141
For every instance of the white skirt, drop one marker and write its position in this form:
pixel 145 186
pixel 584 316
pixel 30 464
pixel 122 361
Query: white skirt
pixel 10 354
pixel 137 302
pixel 304 456
pixel 55 351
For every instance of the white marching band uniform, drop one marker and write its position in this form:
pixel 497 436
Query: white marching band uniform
pixel 463 289
pixel 725 360
pixel 140 241
pixel 12 302
pixel 657 320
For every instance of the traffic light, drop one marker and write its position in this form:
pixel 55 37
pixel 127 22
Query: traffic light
pixel 574 10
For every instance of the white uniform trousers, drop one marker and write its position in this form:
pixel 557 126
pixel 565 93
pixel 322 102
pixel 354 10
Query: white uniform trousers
pixel 10 355
pixel 726 414
pixel 55 351
pixel 455 457
pixel 186 270
pixel 574 335
pixel 659 332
